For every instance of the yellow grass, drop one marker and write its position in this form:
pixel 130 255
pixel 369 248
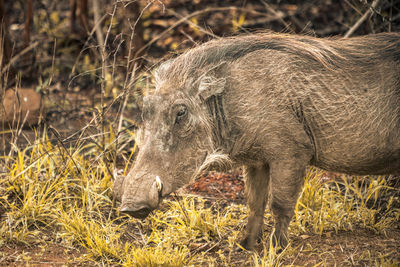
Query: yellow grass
pixel 55 194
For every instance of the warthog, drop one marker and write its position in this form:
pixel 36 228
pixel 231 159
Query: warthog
pixel 272 103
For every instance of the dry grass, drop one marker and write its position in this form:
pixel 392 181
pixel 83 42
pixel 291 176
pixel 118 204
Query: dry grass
pixel 52 194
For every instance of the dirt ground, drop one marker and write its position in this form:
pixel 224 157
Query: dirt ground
pixel 333 249
pixel 46 256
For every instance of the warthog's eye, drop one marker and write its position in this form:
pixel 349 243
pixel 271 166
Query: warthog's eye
pixel 181 113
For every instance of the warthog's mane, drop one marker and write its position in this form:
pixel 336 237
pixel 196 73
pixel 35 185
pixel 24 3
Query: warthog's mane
pixel 328 52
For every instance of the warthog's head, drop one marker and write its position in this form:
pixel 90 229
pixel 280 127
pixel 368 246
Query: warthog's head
pixel 175 139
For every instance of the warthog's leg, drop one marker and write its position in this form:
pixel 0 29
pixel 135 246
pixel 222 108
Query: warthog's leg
pixel 257 180
pixel 287 178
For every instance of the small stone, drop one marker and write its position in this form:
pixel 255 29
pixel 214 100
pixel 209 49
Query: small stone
pixel 19 104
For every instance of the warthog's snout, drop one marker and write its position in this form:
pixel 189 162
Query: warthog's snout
pixel 137 211
pixel 149 200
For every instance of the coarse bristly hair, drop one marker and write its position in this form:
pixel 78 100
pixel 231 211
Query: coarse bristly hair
pixel 325 52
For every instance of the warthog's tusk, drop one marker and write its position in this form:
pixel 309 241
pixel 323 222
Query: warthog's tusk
pixel 158 184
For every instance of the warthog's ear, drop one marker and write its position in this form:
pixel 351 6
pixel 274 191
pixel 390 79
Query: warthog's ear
pixel 209 86
pixel 161 71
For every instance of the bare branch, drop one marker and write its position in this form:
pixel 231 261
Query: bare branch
pixel 367 14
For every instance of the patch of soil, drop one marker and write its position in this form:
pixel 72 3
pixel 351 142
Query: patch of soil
pixel 40 255
pixel 360 247
pixel 216 185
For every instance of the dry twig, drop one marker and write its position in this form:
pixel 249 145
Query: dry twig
pixel 367 14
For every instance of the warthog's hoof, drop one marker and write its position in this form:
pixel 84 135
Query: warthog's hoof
pixel 280 243
pixel 245 245
pixel 248 244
